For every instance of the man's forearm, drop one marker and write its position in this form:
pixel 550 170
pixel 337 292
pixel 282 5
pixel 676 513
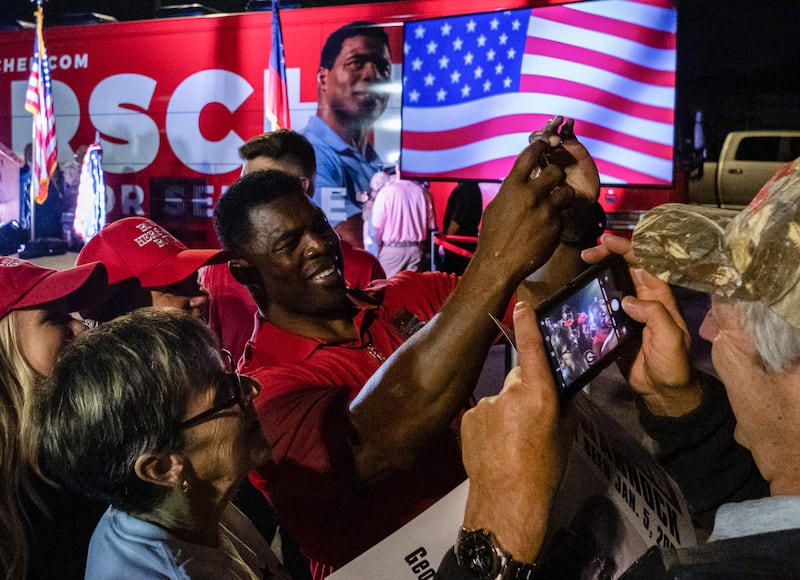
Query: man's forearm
pixel 421 386
pixel 428 379
pixel 425 382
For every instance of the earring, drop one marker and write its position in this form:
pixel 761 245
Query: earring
pixel 185 486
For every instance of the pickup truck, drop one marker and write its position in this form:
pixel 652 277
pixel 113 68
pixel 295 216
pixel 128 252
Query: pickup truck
pixel 747 160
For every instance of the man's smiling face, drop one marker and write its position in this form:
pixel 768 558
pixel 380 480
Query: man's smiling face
pixel 298 258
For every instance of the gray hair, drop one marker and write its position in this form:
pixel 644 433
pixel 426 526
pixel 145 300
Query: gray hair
pixel 120 391
pixel 776 341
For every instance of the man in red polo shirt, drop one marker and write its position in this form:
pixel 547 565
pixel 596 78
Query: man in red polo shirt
pixel 361 391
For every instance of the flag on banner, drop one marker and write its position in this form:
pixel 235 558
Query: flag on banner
pixel 39 102
pixel 90 212
pixel 276 99
pixel 475 86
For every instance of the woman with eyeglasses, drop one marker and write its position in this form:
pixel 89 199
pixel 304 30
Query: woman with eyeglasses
pixel 148 415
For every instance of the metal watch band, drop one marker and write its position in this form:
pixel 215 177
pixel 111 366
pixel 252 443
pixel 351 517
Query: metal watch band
pixel 480 553
pixel 513 570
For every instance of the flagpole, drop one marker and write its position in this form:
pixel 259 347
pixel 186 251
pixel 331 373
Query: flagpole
pixel 39 13
pixel 31 200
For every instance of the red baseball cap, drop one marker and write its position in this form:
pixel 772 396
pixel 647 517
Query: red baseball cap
pixel 137 247
pixel 27 285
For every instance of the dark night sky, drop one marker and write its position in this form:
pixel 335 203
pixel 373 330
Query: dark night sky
pixel 738 60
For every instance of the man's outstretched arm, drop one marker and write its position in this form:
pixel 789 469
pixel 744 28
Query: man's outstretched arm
pixel 422 385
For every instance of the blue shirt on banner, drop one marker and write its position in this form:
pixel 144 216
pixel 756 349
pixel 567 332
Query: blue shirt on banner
pixel 342 172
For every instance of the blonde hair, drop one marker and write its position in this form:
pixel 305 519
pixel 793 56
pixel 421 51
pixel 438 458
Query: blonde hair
pixel 18 442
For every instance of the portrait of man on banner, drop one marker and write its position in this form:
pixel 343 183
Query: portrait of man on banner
pixel 352 89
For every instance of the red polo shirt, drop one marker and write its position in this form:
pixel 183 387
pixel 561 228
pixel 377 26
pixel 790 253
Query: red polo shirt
pixel 306 388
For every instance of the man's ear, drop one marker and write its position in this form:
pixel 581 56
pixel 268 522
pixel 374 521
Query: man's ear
pixel 160 468
pixel 307 186
pixel 248 275
pixel 322 77
pixel 243 272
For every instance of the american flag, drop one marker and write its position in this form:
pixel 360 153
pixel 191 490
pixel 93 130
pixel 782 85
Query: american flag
pixel 39 103
pixel 276 98
pixel 475 86
pixel 90 212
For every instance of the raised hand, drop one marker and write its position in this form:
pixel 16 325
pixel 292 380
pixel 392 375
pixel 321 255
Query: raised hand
pixel 514 447
pixel 521 226
pixel 568 153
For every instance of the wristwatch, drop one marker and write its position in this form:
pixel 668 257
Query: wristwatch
pixel 479 552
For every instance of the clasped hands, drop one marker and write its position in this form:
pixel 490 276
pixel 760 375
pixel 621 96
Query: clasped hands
pixel 522 225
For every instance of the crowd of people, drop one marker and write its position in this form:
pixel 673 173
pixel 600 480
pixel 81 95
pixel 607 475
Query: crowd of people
pixel 339 391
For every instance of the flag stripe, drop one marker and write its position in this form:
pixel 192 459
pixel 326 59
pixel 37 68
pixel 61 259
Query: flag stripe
pixel 475 86
pixel 579 54
pixel 493 167
pixel 545 85
pixel 609 172
pixel 612 24
pixel 606 154
pixel 616 173
pixel 421 141
pixel 654 15
pixel 434 120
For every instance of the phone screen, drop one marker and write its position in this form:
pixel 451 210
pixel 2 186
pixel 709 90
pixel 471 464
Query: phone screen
pixel 584 325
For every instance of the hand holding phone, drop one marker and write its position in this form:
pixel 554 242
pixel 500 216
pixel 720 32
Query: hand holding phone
pixel 584 326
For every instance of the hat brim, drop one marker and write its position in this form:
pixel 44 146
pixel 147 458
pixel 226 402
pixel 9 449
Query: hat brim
pixel 685 245
pixel 79 286
pixel 180 266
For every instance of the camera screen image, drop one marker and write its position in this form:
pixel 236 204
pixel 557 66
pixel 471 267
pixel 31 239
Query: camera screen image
pixel 580 330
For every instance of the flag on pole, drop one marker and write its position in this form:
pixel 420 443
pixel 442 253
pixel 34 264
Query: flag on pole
pixel 276 100
pixel 39 102
pixel 90 212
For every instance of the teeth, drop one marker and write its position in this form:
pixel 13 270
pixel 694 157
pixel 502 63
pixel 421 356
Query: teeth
pixel 325 273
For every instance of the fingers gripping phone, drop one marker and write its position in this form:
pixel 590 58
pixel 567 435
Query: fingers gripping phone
pixel 584 327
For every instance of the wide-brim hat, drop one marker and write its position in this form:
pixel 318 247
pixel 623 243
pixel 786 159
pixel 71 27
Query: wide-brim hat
pixel 750 255
pixel 137 247
pixel 26 285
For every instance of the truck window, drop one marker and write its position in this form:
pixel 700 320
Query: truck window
pixel 792 147
pixel 771 149
pixel 759 149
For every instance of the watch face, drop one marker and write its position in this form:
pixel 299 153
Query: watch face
pixel 476 552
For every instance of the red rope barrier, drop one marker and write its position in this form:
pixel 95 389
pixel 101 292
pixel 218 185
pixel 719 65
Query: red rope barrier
pixel 444 241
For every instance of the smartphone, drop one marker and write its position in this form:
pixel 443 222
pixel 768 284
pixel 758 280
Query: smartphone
pixel 584 327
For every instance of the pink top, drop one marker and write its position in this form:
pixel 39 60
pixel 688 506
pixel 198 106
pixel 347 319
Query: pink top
pixel 403 212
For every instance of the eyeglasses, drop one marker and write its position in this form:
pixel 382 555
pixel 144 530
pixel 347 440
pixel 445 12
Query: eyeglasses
pixel 229 393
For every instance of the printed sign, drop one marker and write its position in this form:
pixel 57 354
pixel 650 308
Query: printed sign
pixel 614 503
